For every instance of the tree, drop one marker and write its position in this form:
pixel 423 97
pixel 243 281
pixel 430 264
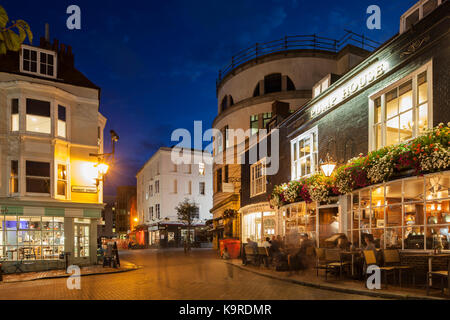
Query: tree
pixel 187 212
pixel 12 33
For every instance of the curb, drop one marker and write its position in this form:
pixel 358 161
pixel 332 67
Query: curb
pixel 339 289
pixel 68 275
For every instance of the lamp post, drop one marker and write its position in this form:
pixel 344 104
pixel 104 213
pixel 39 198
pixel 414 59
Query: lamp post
pixel 328 166
pixel 105 160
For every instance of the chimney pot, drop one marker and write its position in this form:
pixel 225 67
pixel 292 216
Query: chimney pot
pixel 47 32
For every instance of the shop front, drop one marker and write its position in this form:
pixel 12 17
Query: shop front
pixel 410 214
pixel 260 222
pixel 43 240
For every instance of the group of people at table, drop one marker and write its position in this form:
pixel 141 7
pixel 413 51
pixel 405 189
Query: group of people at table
pixel 288 257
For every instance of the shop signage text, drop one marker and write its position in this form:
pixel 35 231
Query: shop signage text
pixel 350 88
pixel 84 189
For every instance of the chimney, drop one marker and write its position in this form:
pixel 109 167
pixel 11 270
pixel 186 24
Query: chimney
pixel 47 32
pixel 55 46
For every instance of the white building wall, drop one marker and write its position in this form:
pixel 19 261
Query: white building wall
pixel 167 198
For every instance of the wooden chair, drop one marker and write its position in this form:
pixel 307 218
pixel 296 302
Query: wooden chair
pixel 392 259
pixel 370 260
pixel 334 262
pixel 251 254
pixel 320 259
pixel 442 275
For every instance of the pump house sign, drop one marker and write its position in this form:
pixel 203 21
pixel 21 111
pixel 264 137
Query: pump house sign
pixel 349 88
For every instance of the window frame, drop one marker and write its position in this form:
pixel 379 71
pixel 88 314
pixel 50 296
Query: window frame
pixel 261 179
pixel 38 61
pixel 51 117
pixel 50 162
pixel 296 160
pixel 57 164
pixel 412 76
pixel 418 6
pixel 254 118
pixel 10 160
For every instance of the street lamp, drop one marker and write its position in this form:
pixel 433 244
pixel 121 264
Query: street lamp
pixel 105 159
pixel 328 166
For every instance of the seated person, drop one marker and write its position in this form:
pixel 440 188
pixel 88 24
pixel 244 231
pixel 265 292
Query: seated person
pixel 343 243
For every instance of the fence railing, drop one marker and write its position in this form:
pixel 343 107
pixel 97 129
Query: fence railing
pixel 297 42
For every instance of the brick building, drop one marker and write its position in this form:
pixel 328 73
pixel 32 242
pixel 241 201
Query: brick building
pixel 393 95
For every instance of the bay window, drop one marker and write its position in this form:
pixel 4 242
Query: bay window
pixel 401 112
pixel 37 177
pixel 38 116
pixel 304 154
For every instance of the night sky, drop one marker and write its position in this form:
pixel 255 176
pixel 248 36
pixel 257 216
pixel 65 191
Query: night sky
pixel 157 61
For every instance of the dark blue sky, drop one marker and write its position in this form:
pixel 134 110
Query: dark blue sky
pixel 157 61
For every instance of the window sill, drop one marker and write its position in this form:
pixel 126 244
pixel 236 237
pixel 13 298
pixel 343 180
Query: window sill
pixel 258 194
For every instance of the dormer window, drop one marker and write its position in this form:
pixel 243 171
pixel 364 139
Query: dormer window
pixel 417 12
pixel 38 61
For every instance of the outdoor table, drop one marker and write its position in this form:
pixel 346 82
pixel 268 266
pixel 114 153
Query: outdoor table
pixel 353 254
pixel 430 257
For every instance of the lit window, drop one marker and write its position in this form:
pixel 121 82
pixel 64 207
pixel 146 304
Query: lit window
pixel 266 119
pixel 401 113
pixel 219 143
pixel 38 116
pixel 62 180
pixel 37 177
pixel 201 169
pixel 304 154
pixel 14 177
pixel 225 134
pixel 257 178
pixel 254 126
pixel 15 115
pixel 38 61
pixel 62 121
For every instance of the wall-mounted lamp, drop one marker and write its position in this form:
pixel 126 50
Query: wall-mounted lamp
pixel 105 160
pixel 328 166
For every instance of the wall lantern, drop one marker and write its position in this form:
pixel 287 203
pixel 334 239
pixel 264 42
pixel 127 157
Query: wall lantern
pixel 328 166
pixel 106 159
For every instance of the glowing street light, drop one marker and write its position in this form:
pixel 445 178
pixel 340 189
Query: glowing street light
pixel 102 168
pixel 328 166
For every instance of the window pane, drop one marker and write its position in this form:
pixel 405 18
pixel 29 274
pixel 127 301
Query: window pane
pixel 38 169
pixel 423 87
pixel 423 118
pixel 412 18
pixel 406 125
pixel 392 136
pixel 391 103
pixel 377 114
pixel 378 141
pixel 394 216
pixel 405 92
pixel 36 185
pixel 429 6
pixel 39 108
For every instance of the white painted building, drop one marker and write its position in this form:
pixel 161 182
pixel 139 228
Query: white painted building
pixel 162 185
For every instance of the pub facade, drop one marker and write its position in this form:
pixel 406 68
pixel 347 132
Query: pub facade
pixel 395 95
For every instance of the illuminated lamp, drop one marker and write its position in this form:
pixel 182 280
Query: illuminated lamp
pixel 328 166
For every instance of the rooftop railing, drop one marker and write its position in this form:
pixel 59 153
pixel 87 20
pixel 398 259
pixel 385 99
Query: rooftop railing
pixel 287 43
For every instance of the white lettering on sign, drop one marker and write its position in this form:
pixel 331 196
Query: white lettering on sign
pixel 350 88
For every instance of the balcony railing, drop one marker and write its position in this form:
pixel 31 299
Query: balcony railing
pixel 287 43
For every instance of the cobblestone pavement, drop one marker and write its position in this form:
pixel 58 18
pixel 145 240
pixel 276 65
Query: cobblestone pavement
pixel 170 275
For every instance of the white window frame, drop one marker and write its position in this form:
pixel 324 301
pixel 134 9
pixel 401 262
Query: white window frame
pixel 418 5
pixel 313 135
pixel 38 61
pixel 411 76
pixel 57 196
pixel 51 188
pixel 259 180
